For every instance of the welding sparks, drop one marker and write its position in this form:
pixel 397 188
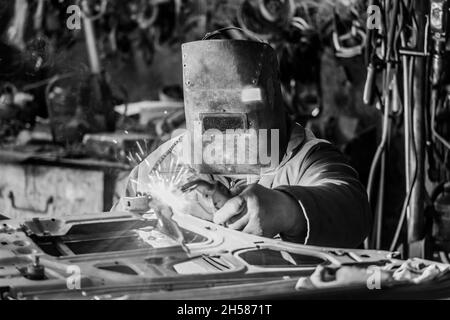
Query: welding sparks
pixel 141 150
pixel 164 182
pixel 166 188
pixel 164 178
pixel 168 193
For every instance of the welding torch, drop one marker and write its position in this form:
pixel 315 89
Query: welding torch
pixel 213 195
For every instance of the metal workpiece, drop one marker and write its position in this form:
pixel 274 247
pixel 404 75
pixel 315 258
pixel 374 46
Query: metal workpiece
pixel 120 254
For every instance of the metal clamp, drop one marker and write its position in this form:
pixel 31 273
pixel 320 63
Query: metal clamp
pixel 349 52
pixel 417 53
pixel 49 202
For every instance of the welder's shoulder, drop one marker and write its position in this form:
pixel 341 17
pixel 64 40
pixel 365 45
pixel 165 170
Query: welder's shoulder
pixel 316 156
pixel 307 146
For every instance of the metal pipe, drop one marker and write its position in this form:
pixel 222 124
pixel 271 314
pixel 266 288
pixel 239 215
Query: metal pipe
pixel 407 201
pixel 91 44
pixel 406 119
pixel 380 202
pixel 416 219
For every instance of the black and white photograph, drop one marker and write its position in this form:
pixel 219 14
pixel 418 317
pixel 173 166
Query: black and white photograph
pixel 223 155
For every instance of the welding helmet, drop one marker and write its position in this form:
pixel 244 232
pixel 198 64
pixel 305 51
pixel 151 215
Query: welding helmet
pixel 232 94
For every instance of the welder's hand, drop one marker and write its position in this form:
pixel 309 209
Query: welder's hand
pixel 216 194
pixel 206 198
pixel 263 212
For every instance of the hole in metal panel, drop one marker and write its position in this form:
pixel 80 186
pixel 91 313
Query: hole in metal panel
pixel 119 268
pixel 268 258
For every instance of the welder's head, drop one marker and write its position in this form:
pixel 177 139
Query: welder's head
pixel 233 99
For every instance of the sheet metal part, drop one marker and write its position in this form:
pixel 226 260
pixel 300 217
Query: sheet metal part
pixel 139 271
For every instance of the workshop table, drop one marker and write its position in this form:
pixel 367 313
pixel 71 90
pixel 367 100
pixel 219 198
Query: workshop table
pixel 46 185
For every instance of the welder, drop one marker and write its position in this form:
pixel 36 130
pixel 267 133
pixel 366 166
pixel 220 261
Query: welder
pixel 307 193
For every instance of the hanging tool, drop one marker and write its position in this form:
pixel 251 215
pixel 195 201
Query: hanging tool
pixel 19 24
pixel 438 23
pixel 89 32
pixel 409 24
pixel 350 44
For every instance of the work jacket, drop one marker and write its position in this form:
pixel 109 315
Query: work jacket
pixel 333 201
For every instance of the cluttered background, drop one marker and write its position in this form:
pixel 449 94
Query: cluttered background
pixel 90 88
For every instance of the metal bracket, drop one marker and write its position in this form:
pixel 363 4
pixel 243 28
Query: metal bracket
pixel 417 53
pixel 44 211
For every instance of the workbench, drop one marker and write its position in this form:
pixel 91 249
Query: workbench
pixel 46 185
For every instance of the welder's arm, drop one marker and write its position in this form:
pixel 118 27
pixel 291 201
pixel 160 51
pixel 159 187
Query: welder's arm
pixel 332 199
